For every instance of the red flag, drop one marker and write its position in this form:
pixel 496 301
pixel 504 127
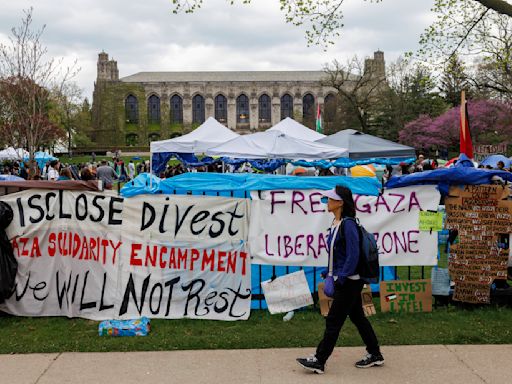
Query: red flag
pixel 466 145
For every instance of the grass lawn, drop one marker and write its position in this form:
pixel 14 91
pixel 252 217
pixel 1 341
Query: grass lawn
pixel 445 325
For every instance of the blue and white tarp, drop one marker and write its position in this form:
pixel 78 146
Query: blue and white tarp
pixel 241 184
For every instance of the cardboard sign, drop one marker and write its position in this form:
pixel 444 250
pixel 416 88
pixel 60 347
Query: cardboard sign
pixel 431 221
pixel 406 296
pixel 366 298
pixel 287 293
pixel 482 216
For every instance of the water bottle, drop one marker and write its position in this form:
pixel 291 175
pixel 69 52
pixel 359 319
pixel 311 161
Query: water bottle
pixel 288 316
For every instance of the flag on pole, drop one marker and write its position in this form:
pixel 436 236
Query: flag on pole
pixel 319 127
pixel 466 145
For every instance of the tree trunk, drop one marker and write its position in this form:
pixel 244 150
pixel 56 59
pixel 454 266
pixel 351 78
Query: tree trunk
pixel 500 6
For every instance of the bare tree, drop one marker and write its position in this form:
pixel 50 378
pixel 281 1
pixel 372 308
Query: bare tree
pixel 26 76
pixel 357 85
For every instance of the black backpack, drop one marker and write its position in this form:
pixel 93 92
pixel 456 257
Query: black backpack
pixel 368 267
pixel 8 263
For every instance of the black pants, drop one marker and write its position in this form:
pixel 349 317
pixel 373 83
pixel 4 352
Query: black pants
pixel 347 302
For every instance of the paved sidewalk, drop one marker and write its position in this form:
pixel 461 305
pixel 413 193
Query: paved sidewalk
pixel 404 364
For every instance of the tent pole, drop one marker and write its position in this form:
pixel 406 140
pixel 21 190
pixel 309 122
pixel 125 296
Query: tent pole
pixel 150 170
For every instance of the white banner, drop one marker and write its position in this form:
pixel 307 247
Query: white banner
pixel 99 256
pixel 290 227
pixel 287 292
pixel 185 257
pixel 67 245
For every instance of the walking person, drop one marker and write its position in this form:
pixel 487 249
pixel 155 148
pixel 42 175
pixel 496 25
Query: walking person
pixel 347 285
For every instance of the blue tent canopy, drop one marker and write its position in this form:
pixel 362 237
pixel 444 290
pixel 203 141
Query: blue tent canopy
pixel 493 161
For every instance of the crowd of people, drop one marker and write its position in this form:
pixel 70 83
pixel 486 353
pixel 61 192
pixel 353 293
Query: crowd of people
pixel 116 169
pixel 107 171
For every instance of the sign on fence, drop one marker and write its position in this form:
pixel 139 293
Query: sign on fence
pixel 406 296
pixel 431 221
pixel 481 215
pixel 289 227
pixel 99 256
pixel 366 299
pixel 482 150
pixel 287 292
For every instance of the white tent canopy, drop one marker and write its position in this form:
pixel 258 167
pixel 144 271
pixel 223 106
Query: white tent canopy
pixel 292 128
pixel 207 135
pixel 13 154
pixel 277 145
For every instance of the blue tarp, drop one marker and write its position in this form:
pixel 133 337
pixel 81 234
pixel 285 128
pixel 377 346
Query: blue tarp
pixel 269 165
pixel 41 158
pixel 493 161
pixel 11 178
pixel 348 163
pixel 242 183
pixel 444 177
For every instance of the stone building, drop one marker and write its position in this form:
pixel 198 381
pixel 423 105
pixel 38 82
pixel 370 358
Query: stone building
pixel 147 106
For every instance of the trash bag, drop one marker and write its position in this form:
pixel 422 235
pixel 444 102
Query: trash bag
pixel 8 263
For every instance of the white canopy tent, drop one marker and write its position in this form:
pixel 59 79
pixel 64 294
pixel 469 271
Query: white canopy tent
pixel 275 145
pixel 207 135
pixel 13 154
pixel 292 128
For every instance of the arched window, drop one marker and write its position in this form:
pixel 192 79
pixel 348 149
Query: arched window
pixel 131 139
pixel 286 106
pixel 264 109
pixel 198 109
pixel 153 109
pixel 131 108
pixel 242 109
pixel 221 109
pixel 153 137
pixel 308 107
pixel 330 106
pixel 176 110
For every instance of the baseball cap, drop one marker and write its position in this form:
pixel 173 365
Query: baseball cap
pixel 331 193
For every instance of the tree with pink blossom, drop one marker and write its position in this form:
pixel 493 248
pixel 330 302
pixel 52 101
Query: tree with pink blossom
pixel 490 122
pixel 423 134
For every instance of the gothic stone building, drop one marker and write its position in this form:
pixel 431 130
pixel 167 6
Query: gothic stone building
pixel 147 106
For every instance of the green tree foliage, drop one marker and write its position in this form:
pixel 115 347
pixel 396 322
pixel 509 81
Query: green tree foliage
pixel 472 29
pixel 454 80
pixel 412 92
pixel 323 19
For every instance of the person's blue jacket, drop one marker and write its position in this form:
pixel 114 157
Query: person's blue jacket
pixel 345 259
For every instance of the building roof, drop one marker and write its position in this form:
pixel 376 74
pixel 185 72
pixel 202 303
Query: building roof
pixel 224 76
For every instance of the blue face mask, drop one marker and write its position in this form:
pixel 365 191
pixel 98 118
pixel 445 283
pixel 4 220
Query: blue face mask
pixel 324 199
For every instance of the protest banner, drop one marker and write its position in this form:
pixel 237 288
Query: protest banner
pixel 67 244
pixel 287 292
pixel 482 216
pixel 406 296
pixel 290 227
pixel 99 256
pixel 185 257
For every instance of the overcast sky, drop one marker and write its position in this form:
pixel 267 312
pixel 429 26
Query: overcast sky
pixel 143 35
